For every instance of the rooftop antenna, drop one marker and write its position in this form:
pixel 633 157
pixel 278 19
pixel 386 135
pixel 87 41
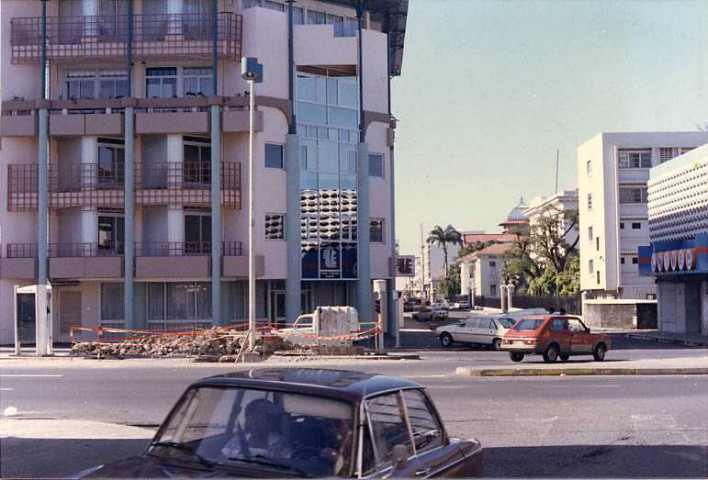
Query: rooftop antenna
pixel 557 156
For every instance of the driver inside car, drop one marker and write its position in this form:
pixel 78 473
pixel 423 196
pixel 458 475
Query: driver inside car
pixel 261 435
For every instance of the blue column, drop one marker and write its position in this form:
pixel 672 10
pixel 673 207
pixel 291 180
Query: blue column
pixel 364 296
pixel 129 251
pixel 292 228
pixel 42 195
pixel 216 215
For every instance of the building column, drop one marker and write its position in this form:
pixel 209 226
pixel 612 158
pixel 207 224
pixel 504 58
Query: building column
pixel 293 282
pixel 364 296
pixel 129 213
pixel 216 215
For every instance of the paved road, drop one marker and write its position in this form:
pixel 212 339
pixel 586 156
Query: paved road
pixel 531 427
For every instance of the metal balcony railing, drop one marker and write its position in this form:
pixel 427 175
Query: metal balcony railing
pixel 21 250
pixel 102 37
pixel 84 250
pixel 90 184
pixel 181 249
pixel 229 248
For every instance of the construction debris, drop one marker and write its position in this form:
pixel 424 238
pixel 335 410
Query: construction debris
pixel 214 345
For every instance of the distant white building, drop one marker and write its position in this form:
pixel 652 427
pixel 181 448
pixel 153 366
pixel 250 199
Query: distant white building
pixel 559 204
pixel 481 271
pixel 613 170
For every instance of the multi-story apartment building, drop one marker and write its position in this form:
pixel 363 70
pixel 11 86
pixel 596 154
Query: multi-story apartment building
pixel 613 170
pixel 678 229
pixel 124 157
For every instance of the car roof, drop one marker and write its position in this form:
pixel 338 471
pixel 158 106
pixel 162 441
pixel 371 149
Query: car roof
pixel 345 384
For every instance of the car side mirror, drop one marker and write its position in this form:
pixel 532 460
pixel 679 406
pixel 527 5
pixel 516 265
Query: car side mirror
pixel 400 457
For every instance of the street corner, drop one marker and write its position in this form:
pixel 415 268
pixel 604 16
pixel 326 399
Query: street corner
pixel 560 371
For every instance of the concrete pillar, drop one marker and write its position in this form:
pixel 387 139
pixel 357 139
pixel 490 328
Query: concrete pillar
pixel 503 296
pixel 216 215
pixel 89 225
pixel 293 282
pixel 364 300
pixel 129 233
pixel 510 295
pixel 381 295
pixel 175 154
pixel 584 299
pixel 43 322
pixel 704 307
pixel 175 223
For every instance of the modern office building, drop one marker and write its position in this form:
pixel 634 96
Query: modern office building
pixel 677 257
pixel 124 157
pixel 613 170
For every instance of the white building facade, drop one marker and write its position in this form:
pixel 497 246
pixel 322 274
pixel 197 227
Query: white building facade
pixel 561 205
pixel 613 171
pixel 125 179
pixel 677 257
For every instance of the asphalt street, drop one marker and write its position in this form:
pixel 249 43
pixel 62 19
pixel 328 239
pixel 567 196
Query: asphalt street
pixel 570 427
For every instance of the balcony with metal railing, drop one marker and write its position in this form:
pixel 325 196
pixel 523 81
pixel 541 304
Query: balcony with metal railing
pixel 102 261
pixel 104 38
pixel 90 184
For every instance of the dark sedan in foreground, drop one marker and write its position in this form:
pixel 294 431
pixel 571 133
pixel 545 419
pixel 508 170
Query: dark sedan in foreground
pixel 268 423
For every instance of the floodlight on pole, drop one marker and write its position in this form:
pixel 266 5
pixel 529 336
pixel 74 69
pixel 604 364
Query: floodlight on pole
pixel 252 72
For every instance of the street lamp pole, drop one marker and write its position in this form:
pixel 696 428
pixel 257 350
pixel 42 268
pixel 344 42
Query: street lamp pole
pixel 252 72
pixel 251 223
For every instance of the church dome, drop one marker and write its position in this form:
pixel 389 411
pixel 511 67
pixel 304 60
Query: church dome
pixel 517 213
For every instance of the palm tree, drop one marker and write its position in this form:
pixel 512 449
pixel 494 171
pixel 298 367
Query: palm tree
pixel 443 237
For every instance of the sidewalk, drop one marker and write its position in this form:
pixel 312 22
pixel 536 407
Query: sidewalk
pixel 688 339
pixel 583 366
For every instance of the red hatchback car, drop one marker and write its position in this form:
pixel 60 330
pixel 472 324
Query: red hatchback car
pixel 554 336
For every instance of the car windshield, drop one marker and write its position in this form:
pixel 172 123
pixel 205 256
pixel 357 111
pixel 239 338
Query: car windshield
pixel 287 432
pixel 529 324
pixel 506 322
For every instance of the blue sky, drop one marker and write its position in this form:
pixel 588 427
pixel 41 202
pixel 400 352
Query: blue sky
pixel 490 89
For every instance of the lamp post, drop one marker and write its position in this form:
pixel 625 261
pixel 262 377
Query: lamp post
pixel 252 72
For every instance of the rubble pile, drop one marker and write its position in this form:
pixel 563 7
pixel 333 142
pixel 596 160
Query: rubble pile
pixel 214 345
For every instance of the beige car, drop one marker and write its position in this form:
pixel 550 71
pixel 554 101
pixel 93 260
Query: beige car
pixel 476 330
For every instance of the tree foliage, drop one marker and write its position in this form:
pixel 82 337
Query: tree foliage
pixel 450 285
pixel 541 261
pixel 443 238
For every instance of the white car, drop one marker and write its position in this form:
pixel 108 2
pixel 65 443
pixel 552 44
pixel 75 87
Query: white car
pixel 478 330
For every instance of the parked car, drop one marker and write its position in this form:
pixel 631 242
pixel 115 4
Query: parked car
pixel 427 314
pixel 554 336
pixel 463 305
pixel 480 330
pixel 442 304
pixel 293 422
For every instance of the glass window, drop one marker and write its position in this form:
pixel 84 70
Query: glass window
pixel 492 264
pixel 559 325
pixel 425 426
pixel 111 234
pixel 493 289
pixel 376 232
pixel 529 324
pixel 348 95
pixel 225 425
pixel 633 195
pixel 273 156
pixel 388 428
pixel 298 16
pixel 506 322
pixel 271 5
pixel 197 233
pixel 275 226
pixel 636 225
pixel 575 325
pixel 112 301
pixel 639 159
pixel 588 168
pixel 306 89
pixel 343 117
pixel 161 82
pixel 621 225
pixel 315 18
pixel 251 3
pixel 635 260
pixel 376 167
pixel 198 81
pixel 589 201
pixel 311 113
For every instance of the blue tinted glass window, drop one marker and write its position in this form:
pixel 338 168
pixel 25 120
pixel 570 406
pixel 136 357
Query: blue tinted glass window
pixel 273 156
pixel 342 117
pixel 306 89
pixel 348 94
pixel 376 168
pixel 311 113
pixel 328 155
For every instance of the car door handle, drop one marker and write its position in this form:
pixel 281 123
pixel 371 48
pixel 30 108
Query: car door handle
pixel 422 472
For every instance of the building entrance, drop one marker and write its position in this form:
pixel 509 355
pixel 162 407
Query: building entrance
pixel 693 307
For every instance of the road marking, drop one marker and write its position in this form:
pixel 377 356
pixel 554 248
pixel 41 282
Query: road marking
pixel 30 376
pixel 441 375
pixel 6 389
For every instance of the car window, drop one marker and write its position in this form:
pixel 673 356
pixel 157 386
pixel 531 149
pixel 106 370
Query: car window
pixel 575 326
pixel 529 324
pixel 472 322
pixel 427 431
pixel 388 428
pixel 505 322
pixel 559 325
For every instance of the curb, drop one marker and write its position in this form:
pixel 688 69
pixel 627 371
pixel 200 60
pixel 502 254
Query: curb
pixel 403 356
pixel 540 372
pixel 687 343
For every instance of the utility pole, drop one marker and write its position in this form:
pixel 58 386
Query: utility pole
pixel 557 158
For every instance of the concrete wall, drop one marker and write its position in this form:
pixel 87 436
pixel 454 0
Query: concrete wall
pixel 619 314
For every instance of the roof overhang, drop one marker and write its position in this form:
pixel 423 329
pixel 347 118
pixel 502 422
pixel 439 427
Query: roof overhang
pixel 393 15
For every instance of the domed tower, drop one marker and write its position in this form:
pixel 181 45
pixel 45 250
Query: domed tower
pixel 516 218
